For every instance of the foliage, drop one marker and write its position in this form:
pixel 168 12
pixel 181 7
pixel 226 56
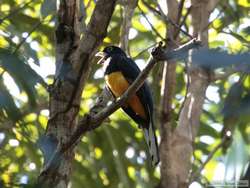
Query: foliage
pixel 115 154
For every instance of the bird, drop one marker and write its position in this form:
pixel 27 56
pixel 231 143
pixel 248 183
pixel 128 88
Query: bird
pixel 119 73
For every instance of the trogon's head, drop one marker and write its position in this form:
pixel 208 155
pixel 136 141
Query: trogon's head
pixel 109 51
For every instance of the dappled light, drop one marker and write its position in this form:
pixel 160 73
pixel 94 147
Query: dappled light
pixel 200 83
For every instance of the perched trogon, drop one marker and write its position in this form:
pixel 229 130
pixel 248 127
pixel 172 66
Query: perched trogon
pixel 119 72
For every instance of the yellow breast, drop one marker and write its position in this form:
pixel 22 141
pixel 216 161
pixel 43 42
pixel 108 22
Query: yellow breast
pixel 118 85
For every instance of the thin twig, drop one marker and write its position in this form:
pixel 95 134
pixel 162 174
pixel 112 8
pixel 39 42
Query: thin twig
pixel 88 4
pixel 197 173
pixel 15 11
pixel 151 8
pixel 151 25
pixel 25 38
pixel 178 27
pixel 207 26
pixel 144 50
pixel 180 8
pixel 160 9
pixel 166 19
pixel 183 21
pixel 38 24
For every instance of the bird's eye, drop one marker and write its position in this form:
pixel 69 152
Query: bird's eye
pixel 109 49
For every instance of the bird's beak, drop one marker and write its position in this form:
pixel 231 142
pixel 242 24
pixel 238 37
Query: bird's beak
pixel 103 56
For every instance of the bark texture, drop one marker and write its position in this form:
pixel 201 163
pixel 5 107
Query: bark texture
pixel 177 143
pixel 167 93
pixel 73 58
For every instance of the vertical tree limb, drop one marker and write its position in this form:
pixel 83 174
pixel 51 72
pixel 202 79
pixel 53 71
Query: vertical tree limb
pixel 167 93
pixel 189 119
pixel 72 66
pixel 128 12
pixel 179 142
pixel 60 125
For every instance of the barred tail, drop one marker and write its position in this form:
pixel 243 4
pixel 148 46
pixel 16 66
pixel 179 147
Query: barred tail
pixel 151 140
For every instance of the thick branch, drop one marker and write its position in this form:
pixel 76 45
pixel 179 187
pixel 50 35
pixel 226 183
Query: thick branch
pixel 73 57
pixel 188 121
pixel 167 94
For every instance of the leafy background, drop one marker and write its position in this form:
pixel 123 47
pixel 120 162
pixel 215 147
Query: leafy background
pixel 114 154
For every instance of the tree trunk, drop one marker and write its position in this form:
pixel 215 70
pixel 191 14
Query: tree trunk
pixel 177 144
pixel 167 93
pixel 73 58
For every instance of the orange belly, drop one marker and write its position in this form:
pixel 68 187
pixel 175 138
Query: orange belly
pixel 118 85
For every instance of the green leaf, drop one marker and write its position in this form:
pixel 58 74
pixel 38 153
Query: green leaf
pixel 25 77
pixel 216 44
pixel 236 157
pixel 205 129
pixel 233 100
pixel 243 130
pixel 29 52
pixel 7 103
pixel 239 37
pixel 246 30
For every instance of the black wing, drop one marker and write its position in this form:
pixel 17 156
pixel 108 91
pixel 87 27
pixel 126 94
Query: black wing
pixel 131 71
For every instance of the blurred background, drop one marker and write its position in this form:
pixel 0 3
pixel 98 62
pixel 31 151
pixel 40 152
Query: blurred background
pixel 114 155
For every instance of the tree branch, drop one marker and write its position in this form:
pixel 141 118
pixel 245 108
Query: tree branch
pixel 144 50
pixel 128 12
pixel 180 8
pixel 73 58
pixel 183 21
pixel 197 173
pixel 92 121
pixel 158 54
pixel 29 33
pixel 151 25
pixel 151 8
pixel 168 87
pixel 15 11
pixel 167 19
pixel 184 133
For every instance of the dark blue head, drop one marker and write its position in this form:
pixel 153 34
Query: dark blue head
pixel 113 50
pixel 109 51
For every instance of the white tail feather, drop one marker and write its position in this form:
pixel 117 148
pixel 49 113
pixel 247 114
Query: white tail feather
pixel 152 144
